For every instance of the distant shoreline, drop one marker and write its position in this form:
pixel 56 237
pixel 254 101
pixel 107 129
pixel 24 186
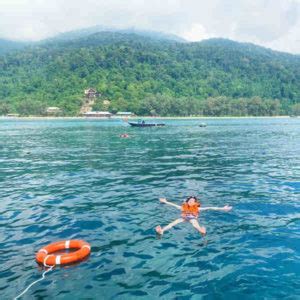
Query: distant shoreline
pixel 142 117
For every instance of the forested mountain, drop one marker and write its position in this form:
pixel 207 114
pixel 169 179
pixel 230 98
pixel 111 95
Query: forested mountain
pixel 149 75
pixel 8 45
pixel 80 33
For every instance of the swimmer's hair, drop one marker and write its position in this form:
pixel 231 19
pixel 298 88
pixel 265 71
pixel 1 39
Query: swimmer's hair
pixel 190 197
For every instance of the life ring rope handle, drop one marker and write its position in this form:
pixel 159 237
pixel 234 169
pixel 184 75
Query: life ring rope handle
pixel 38 280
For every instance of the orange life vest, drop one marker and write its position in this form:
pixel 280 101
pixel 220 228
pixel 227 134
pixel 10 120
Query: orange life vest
pixel 190 209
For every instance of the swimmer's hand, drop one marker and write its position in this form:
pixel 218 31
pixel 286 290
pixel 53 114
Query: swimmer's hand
pixel 163 200
pixel 227 208
pixel 224 208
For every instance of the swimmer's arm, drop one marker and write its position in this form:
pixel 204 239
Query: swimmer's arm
pixel 164 200
pixel 224 208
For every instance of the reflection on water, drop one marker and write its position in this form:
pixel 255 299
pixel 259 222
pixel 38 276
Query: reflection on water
pixel 78 179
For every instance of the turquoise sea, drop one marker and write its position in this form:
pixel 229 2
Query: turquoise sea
pixel 76 179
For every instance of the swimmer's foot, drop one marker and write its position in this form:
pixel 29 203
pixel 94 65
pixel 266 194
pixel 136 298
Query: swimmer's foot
pixel 202 230
pixel 159 230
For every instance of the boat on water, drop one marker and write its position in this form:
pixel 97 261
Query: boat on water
pixel 141 123
pixel 202 125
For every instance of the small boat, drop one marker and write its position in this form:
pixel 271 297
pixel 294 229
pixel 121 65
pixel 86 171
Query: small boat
pixel 202 125
pixel 144 124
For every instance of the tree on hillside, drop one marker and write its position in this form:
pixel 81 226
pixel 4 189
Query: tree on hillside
pixel 29 107
pixel 295 109
pixel 4 109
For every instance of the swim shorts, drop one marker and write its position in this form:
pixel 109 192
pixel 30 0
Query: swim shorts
pixel 189 217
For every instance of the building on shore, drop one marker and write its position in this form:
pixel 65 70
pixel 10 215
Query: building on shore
pixel 53 110
pixel 91 93
pixel 13 115
pixel 124 114
pixel 97 114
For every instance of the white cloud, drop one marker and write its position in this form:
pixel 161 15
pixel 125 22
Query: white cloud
pixel 266 22
pixel 196 33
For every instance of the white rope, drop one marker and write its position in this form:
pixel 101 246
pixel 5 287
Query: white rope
pixel 33 283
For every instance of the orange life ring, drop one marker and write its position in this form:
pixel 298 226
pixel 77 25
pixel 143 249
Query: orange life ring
pixel 45 255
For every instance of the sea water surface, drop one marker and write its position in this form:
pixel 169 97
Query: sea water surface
pixel 77 179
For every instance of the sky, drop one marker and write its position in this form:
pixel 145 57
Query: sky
pixel 270 23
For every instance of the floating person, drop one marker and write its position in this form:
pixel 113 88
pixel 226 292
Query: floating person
pixel 189 213
pixel 124 135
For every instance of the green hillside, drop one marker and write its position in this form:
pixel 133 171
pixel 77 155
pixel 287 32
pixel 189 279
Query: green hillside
pixel 149 75
pixel 7 45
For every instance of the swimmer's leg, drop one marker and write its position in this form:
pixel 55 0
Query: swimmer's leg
pixel 201 229
pixel 160 230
